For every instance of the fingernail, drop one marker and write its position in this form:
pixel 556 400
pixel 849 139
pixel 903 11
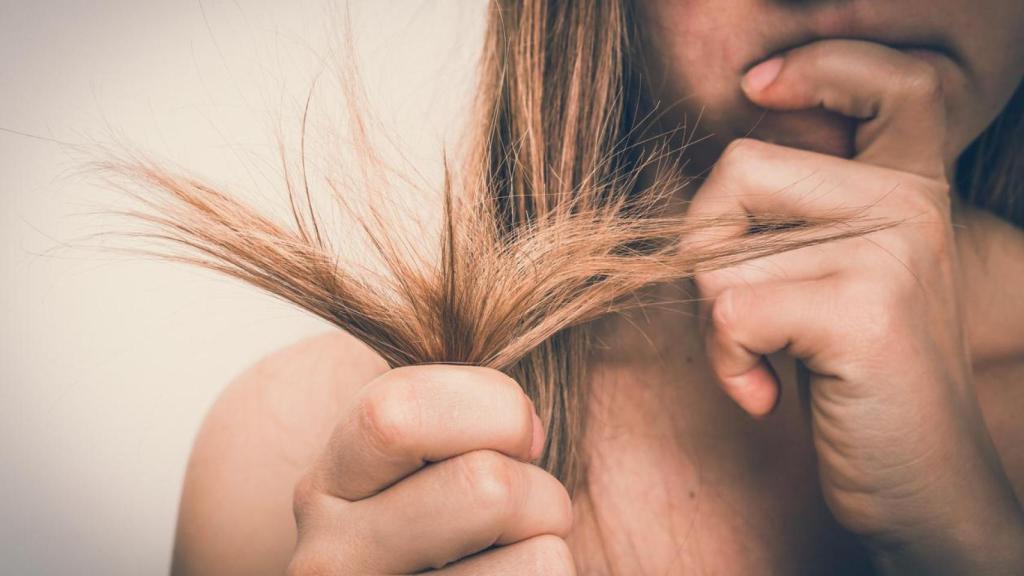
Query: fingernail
pixel 538 438
pixel 760 76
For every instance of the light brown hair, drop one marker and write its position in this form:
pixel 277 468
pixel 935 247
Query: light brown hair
pixel 554 219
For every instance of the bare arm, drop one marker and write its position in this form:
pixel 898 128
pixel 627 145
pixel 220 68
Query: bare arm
pixel 262 433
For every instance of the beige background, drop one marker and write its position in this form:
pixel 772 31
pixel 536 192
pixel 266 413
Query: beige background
pixel 108 363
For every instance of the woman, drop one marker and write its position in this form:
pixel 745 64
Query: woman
pixel 890 448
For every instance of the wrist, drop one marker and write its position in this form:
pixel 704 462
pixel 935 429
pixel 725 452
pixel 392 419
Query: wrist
pixel 964 519
pixel 992 549
pixel 973 541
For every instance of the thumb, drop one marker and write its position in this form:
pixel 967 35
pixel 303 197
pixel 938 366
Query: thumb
pixel 897 96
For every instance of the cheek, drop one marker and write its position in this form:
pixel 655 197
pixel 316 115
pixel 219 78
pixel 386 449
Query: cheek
pixel 694 50
pixel 696 46
pixel 705 83
pixel 698 50
pixel 992 37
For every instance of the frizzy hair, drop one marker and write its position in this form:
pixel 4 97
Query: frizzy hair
pixel 553 220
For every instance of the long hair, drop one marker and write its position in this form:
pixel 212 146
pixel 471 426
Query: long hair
pixel 553 220
pixel 990 172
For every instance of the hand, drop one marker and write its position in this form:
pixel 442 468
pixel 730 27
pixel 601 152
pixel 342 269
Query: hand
pixel 429 468
pixel 904 457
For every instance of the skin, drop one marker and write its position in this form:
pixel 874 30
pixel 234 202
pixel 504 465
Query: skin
pixel 882 336
pixel 894 451
pixel 698 50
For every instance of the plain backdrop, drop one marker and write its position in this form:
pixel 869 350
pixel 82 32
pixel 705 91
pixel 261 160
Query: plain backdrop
pixel 108 363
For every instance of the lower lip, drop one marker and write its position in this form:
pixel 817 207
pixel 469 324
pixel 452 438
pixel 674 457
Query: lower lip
pixel 927 54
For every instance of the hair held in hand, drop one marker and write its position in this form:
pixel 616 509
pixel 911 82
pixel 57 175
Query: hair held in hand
pixel 555 217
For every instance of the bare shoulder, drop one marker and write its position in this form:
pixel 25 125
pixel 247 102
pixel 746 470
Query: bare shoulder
pixel 259 437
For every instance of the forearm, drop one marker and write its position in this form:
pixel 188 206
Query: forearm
pixel 975 525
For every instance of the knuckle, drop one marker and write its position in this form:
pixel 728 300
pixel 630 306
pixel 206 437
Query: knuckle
pixel 707 282
pixel 390 415
pixel 551 555
pixel 724 311
pixel 488 480
pixel 732 176
pixel 714 282
pixel 740 152
pixel 740 162
pixel 922 82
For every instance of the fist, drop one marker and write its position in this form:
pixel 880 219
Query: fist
pixel 431 470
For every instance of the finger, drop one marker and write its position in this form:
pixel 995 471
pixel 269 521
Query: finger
pixel 748 322
pixel 538 556
pixel 808 263
pixel 752 177
pixel 897 95
pixel 456 508
pixel 414 415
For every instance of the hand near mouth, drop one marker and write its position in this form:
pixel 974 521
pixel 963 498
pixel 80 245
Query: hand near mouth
pixel 904 457
pixel 897 96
